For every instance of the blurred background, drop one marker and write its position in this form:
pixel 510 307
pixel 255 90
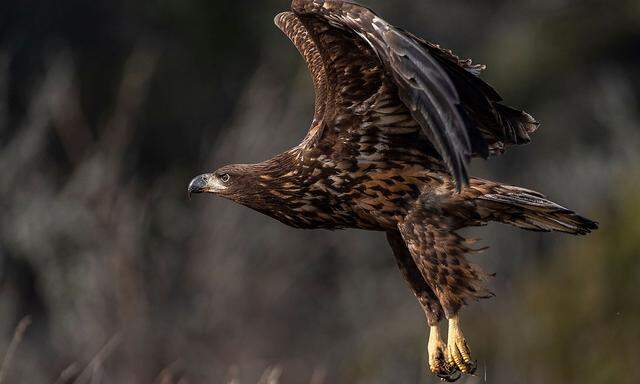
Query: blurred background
pixel 109 107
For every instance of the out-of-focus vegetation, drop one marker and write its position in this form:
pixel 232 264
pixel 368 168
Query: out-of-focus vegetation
pixel 108 108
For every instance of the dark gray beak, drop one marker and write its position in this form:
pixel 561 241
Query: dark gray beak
pixel 197 185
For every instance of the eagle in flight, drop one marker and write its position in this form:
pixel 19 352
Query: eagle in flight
pixel 397 120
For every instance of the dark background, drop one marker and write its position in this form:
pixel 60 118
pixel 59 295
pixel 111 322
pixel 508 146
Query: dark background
pixel 109 107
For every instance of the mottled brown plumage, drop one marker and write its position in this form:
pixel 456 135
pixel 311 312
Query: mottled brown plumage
pixel 396 122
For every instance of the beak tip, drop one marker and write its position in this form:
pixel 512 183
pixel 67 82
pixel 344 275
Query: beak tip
pixel 196 185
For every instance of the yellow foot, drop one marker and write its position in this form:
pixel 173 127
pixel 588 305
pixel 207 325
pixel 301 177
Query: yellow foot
pixel 437 357
pixel 458 354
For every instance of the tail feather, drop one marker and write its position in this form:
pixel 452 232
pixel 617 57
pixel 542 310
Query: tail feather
pixel 518 125
pixel 530 210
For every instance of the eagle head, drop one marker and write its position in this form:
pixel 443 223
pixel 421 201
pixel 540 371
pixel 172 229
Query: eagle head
pixel 267 187
pixel 230 181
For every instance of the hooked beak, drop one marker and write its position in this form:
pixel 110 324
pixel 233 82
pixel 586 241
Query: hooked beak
pixel 207 183
pixel 198 185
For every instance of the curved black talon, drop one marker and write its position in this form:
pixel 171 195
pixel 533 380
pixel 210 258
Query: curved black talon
pixel 473 367
pixel 450 377
pixel 449 374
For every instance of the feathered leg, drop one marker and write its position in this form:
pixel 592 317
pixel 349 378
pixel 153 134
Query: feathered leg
pixel 439 254
pixel 433 310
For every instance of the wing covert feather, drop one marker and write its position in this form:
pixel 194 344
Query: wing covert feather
pixel 350 51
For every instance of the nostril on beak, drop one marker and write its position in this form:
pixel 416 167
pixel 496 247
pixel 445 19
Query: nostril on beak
pixel 197 185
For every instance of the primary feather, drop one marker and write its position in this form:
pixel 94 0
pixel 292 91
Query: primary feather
pixel 458 113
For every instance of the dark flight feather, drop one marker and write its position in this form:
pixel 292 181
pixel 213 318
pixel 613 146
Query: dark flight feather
pixel 533 211
pixel 458 112
pixel 433 101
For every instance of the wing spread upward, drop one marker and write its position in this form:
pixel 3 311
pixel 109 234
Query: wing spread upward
pixel 356 58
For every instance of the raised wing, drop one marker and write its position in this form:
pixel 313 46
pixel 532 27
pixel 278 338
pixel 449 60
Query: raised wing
pixel 301 38
pixel 354 57
pixel 346 72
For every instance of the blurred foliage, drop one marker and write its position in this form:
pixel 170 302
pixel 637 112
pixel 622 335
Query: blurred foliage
pixel 108 108
pixel 592 305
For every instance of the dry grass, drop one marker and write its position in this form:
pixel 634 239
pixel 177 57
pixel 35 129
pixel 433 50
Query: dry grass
pixel 18 335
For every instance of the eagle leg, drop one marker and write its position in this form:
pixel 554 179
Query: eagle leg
pixel 429 301
pixel 437 357
pixel 458 353
pixel 439 254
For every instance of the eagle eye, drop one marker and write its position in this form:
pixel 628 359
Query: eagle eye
pixel 225 177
